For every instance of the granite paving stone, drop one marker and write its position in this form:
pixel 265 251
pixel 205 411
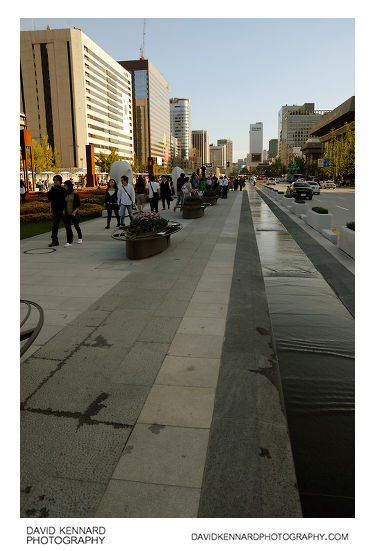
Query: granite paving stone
pixel 64 343
pixel 33 372
pixel 206 310
pixel 198 346
pixel 125 499
pixel 183 371
pixel 202 326
pixel 142 363
pixel 164 455
pixel 63 498
pixel 178 406
pixel 92 453
pixel 160 329
pixel 172 307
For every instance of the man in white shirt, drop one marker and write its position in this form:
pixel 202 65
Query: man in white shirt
pixel 153 193
pixel 225 187
pixel 125 199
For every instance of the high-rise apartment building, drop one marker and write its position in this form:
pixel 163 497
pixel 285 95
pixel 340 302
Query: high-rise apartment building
pixel 180 110
pixel 200 142
pixel 294 124
pixel 151 111
pixel 229 149
pixel 272 149
pixel 74 92
pixel 256 143
pixel 218 156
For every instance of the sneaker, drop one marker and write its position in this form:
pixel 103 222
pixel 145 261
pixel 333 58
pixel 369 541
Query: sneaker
pixel 67 245
pixel 80 240
pixel 53 244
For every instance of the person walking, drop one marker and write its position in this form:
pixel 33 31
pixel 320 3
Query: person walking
pixel 186 188
pixel 125 199
pixel 195 182
pixel 56 197
pixel 153 193
pixel 180 194
pixel 140 192
pixel 70 213
pixel 241 183
pixel 225 187
pixel 165 192
pixel 23 191
pixel 110 202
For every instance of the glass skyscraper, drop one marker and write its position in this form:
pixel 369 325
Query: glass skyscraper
pixel 151 111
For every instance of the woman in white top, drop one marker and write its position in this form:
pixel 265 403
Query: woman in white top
pixel 153 193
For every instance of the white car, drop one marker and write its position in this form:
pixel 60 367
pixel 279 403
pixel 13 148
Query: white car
pixel 271 181
pixel 315 186
pixel 329 184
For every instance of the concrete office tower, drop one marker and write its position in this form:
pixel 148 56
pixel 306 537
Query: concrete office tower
pixel 151 111
pixel 218 156
pixel 74 92
pixel 294 124
pixel 200 142
pixel 175 149
pixel 256 143
pixel 180 110
pixel 228 148
pixel 265 155
pixel 272 149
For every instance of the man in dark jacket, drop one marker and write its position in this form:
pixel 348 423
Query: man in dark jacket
pixel 180 194
pixel 56 196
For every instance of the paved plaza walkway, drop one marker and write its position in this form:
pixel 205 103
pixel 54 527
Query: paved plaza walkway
pixel 153 389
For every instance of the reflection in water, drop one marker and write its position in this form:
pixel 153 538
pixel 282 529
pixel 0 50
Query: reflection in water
pixel 315 346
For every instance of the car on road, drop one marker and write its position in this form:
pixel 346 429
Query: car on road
pixel 329 184
pixel 315 187
pixel 271 181
pixel 301 190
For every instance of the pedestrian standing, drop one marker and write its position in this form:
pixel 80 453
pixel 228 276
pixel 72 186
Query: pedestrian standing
pixel 225 188
pixel 180 194
pixel 125 199
pixel 72 204
pixel 111 202
pixel 195 182
pixel 186 188
pixel 140 193
pixel 235 184
pixel 56 196
pixel 153 193
pixel 165 192
pixel 23 191
pixel 241 183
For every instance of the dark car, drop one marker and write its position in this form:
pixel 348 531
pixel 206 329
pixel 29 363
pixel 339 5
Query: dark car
pixel 302 190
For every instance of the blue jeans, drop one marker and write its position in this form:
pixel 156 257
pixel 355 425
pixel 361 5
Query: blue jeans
pixel 180 199
pixel 123 209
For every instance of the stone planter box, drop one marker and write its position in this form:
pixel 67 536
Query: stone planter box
pixel 299 208
pixel 210 200
pixel 347 241
pixel 193 212
pixel 288 201
pixel 279 197
pixel 137 249
pixel 319 221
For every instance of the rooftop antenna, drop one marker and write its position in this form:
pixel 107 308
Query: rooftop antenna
pixel 142 49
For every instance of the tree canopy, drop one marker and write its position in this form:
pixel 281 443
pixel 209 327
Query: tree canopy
pixel 104 161
pixel 46 158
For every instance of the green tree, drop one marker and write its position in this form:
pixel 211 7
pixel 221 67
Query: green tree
pixel 244 170
pixel 104 161
pixel 46 158
pixel 277 167
pixel 347 151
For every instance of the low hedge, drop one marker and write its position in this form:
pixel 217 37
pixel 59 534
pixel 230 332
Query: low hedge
pixel 193 202
pixel 86 209
pixel 320 210
pixel 350 225
pixel 299 201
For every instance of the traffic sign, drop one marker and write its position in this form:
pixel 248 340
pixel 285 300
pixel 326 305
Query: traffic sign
pixel 293 167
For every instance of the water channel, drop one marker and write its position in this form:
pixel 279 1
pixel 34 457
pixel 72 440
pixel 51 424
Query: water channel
pixel 314 336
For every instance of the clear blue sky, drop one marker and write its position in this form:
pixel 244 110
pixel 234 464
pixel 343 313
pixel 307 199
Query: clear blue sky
pixel 235 71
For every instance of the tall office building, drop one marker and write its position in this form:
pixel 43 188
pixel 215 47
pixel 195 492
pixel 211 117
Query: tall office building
pixel 151 111
pixel 228 149
pixel 180 110
pixel 200 142
pixel 294 124
pixel 74 92
pixel 218 156
pixel 256 143
pixel 272 149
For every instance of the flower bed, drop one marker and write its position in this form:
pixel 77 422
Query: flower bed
pixel 38 211
pixel 147 222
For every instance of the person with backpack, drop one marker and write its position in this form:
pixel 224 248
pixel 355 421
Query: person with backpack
pixel 125 199
pixel 153 193
pixel 110 202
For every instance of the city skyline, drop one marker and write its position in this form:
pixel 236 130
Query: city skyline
pixel 240 71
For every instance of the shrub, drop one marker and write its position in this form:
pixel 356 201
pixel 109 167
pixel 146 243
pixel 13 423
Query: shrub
pixel 34 207
pixel 299 201
pixel 193 202
pixel 350 225
pixel 145 222
pixel 44 214
pixel 280 192
pixel 320 210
